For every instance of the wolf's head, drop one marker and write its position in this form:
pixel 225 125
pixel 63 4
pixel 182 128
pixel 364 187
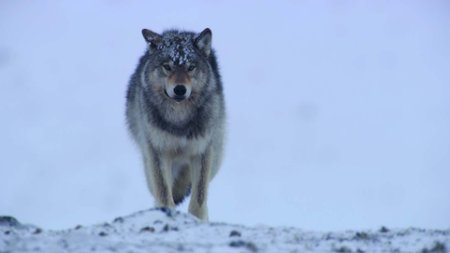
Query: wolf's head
pixel 178 67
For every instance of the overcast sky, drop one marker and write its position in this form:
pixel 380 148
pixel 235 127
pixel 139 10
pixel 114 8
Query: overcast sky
pixel 338 111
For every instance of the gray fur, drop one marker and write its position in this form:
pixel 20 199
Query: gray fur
pixel 181 141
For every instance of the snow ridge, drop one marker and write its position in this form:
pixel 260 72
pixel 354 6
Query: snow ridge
pixel 163 230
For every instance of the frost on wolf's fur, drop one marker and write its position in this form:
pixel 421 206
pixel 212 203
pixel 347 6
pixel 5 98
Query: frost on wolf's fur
pixel 178 46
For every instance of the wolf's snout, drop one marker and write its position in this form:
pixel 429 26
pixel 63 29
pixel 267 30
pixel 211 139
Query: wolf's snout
pixel 179 90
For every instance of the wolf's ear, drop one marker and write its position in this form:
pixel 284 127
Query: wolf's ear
pixel 203 41
pixel 152 38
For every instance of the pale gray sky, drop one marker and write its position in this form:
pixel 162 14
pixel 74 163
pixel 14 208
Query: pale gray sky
pixel 339 111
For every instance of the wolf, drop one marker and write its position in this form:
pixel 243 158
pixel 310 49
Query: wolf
pixel 175 111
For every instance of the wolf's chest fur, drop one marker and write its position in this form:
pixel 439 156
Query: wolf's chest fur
pixel 178 145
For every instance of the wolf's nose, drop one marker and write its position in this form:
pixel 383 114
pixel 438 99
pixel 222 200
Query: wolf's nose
pixel 179 90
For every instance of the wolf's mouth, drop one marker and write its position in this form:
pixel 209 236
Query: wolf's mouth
pixel 177 99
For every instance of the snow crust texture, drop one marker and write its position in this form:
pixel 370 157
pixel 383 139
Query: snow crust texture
pixel 161 230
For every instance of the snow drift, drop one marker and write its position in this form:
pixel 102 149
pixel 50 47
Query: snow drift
pixel 162 230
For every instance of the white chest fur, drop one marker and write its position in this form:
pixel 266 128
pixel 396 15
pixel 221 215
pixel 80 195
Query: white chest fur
pixel 177 145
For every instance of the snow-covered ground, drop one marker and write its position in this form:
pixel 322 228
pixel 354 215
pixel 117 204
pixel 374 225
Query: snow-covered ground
pixel 171 231
pixel 338 111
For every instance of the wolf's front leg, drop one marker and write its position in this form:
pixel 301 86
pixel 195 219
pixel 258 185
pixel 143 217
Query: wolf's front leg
pixel 200 179
pixel 159 178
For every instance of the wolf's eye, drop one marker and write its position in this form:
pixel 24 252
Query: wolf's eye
pixel 191 68
pixel 167 67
